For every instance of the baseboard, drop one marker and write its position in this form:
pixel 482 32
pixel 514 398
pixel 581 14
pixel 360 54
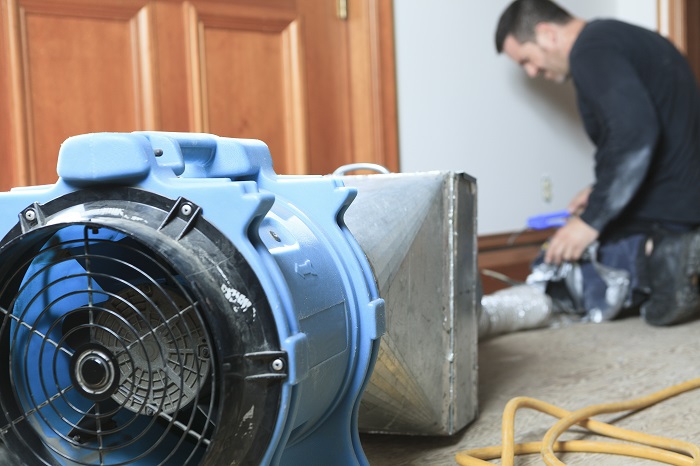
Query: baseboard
pixel 510 254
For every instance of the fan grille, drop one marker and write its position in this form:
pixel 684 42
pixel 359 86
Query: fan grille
pixel 109 356
pixel 161 349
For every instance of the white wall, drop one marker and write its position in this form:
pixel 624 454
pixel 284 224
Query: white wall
pixel 463 107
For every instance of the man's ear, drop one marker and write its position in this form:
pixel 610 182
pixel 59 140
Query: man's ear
pixel 546 35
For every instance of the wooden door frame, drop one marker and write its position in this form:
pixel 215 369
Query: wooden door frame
pixel 670 16
pixel 15 125
pixel 678 20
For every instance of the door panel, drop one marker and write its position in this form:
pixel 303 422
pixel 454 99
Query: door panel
pixel 250 83
pixel 83 70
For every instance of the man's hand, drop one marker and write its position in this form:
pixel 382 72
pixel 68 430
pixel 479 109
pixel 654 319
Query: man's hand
pixel 569 242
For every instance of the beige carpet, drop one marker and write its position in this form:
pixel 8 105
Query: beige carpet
pixel 571 367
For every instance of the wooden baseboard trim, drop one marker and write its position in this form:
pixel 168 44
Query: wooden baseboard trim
pixel 510 254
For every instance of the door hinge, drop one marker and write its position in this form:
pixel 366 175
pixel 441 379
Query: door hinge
pixel 343 9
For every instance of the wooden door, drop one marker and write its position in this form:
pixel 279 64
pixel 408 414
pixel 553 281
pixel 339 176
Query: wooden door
pixel 317 88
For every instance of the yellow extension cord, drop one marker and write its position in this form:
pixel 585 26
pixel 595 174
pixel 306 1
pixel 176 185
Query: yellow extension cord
pixel 650 447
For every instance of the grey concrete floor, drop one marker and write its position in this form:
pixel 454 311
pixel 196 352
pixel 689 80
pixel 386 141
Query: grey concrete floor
pixel 571 367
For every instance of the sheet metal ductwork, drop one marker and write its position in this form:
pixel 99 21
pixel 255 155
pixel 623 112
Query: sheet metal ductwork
pixel 419 233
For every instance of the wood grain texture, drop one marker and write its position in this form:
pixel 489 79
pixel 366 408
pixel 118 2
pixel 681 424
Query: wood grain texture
pixel 320 91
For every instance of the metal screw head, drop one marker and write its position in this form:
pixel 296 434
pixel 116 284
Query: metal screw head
pixel 275 236
pixel 186 209
pixel 30 215
pixel 277 365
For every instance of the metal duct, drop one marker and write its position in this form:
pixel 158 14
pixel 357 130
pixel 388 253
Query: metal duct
pixel 419 233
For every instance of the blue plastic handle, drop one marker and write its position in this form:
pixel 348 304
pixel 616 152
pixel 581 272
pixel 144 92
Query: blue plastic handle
pixel 548 220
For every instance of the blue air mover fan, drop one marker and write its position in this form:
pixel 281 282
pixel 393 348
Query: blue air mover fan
pixel 172 301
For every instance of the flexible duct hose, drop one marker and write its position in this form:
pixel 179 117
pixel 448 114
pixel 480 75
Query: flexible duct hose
pixel 651 447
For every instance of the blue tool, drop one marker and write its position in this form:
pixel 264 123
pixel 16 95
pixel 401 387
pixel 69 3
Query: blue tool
pixel 548 220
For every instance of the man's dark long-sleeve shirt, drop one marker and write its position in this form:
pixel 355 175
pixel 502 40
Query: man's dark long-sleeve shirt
pixel 640 105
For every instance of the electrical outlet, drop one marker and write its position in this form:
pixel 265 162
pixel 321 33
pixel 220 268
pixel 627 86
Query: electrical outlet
pixel 546 188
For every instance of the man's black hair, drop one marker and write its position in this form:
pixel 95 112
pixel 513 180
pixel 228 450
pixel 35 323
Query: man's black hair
pixel 521 17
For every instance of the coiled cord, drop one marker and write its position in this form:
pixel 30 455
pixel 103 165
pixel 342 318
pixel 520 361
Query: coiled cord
pixel 653 447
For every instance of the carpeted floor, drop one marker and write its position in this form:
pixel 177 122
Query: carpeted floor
pixel 571 367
